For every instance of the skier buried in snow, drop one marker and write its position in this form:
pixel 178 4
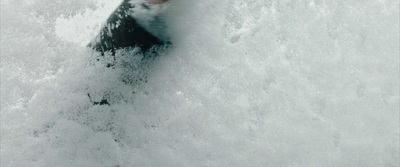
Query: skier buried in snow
pixel 135 23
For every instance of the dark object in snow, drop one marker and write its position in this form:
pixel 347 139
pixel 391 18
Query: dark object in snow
pixel 123 30
pixel 102 102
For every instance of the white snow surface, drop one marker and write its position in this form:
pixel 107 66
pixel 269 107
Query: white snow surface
pixel 258 83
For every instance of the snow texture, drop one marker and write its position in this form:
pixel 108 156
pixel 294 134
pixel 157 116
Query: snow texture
pixel 258 83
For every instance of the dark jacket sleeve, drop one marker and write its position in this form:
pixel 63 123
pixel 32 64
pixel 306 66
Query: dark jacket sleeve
pixel 121 31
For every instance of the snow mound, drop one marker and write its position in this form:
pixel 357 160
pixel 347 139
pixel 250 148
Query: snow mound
pixel 246 83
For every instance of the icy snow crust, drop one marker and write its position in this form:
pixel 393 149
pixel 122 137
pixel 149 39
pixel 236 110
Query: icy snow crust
pixel 247 83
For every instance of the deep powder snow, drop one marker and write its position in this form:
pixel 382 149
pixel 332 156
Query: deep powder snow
pixel 247 83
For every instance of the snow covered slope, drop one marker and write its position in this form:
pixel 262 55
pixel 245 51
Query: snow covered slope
pixel 247 83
